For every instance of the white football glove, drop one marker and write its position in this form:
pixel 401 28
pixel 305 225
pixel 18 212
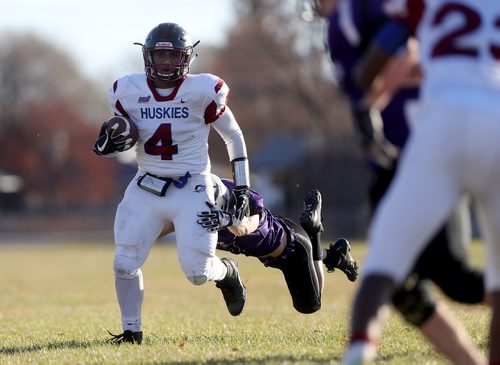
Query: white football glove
pixel 216 219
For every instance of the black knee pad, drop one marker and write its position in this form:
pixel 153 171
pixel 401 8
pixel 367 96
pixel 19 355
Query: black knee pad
pixel 414 301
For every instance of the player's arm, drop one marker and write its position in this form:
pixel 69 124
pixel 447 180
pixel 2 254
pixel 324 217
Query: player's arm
pixel 375 73
pixel 247 226
pixel 216 219
pixel 232 135
pixel 386 43
pixel 404 17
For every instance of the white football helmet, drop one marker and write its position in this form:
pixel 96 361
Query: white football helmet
pixel 221 193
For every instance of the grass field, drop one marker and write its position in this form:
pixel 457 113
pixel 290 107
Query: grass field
pixel 58 301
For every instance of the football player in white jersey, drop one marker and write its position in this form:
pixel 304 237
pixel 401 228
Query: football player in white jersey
pixel 173 111
pixel 453 150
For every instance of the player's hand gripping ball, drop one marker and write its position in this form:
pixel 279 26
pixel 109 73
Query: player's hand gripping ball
pixel 117 134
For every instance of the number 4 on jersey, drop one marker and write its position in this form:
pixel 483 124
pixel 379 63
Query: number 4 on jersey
pixel 160 143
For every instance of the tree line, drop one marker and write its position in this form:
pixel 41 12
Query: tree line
pixel 295 121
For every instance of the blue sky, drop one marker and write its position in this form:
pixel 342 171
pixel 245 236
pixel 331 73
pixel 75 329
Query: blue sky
pixel 98 33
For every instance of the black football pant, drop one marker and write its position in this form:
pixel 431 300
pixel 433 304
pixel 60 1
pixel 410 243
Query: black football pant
pixel 299 270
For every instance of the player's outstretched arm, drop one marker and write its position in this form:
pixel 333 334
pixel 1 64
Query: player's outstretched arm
pixel 386 42
pixel 247 225
pixel 216 219
pixel 232 135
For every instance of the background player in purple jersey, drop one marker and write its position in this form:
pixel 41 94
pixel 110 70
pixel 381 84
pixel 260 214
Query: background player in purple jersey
pixel 352 27
pixel 280 243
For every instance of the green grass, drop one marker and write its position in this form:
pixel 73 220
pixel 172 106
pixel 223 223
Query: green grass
pixel 57 302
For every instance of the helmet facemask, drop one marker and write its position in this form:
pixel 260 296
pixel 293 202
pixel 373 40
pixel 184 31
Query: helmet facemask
pixel 176 68
pixel 176 47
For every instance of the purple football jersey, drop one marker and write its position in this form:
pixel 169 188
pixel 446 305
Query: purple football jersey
pixel 351 28
pixel 264 240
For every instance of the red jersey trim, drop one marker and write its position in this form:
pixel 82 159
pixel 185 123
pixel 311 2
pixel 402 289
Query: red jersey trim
pixel 210 113
pixel 121 109
pixel 170 97
pixel 219 85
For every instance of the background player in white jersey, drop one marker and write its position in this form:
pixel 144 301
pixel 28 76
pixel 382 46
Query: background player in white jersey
pixel 453 150
pixel 397 78
pixel 173 111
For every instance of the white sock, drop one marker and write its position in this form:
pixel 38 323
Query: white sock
pixel 130 293
pixel 219 269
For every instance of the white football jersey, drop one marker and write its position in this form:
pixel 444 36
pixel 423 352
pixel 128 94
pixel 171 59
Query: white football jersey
pixel 173 129
pixel 453 148
pixel 459 42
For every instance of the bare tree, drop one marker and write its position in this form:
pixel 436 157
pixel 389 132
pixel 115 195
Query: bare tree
pixel 281 85
pixel 49 117
pixel 33 70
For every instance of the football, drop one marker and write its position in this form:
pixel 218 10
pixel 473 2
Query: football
pixel 121 127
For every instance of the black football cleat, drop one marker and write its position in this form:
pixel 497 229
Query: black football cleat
pixel 233 290
pixel 338 257
pixel 310 219
pixel 126 336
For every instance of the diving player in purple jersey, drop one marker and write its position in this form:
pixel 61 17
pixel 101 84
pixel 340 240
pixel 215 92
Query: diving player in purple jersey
pixel 280 243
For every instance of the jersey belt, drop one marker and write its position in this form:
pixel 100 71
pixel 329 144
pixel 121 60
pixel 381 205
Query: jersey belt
pixel 178 182
pixel 278 251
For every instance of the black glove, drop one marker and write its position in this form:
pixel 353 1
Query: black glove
pixel 369 125
pixel 215 219
pixel 241 203
pixel 107 144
